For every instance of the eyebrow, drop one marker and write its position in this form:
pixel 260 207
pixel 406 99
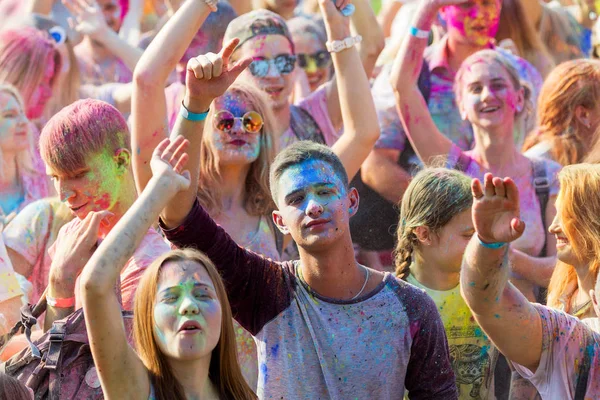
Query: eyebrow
pixel 319 184
pixel 196 285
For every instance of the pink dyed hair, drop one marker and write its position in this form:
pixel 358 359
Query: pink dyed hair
pixel 24 53
pixel 83 129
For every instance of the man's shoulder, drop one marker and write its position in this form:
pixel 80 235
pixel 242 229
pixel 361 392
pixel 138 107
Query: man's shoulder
pixel 414 299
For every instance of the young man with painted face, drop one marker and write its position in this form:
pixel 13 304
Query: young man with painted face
pixel 319 322
pixel 87 154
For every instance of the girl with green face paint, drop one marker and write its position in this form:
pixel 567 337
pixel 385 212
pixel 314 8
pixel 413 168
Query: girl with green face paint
pixel 183 322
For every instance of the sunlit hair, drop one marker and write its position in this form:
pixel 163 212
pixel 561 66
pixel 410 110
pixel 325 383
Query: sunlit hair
pixel 489 56
pixel 432 199
pixel 301 152
pixel 224 370
pixel 83 129
pixel 515 25
pixel 570 85
pixel 24 55
pixel 578 206
pixel 11 388
pixel 23 158
pixel 257 200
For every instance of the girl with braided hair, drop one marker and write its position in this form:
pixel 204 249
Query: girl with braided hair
pixel 434 230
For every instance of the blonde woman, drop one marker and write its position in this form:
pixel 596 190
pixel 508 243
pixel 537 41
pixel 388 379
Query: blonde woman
pixel 19 184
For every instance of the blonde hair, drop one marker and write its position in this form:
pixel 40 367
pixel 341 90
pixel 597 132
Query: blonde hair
pixel 25 158
pixel 224 370
pixel 578 207
pixel 571 84
pixel 432 199
pixel 257 194
pixel 515 25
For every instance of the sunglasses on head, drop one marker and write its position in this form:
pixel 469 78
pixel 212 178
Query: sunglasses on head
pixel 321 58
pixel 58 34
pixel 251 121
pixel 284 63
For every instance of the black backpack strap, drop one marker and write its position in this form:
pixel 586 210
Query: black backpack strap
pixel 541 183
pixel 304 125
pixel 584 370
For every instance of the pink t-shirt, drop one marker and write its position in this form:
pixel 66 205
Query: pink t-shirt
pixel 315 104
pixel 152 246
pixel 565 341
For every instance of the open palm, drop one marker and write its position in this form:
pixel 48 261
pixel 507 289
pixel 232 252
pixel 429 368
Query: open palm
pixel 89 19
pixel 496 213
pixel 169 159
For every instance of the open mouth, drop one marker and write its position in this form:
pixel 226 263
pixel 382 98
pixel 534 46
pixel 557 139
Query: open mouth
pixel 562 241
pixel 238 142
pixel 489 109
pixel 274 91
pixel 190 327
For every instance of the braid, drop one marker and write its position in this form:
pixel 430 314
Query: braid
pixel 403 252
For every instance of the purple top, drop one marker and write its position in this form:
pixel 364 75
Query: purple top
pixel 376 346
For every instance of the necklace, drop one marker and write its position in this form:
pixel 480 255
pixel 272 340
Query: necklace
pixel 353 298
pixel 577 311
pixel 363 286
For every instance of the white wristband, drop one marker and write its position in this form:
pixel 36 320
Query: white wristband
pixel 418 33
pixel 338 45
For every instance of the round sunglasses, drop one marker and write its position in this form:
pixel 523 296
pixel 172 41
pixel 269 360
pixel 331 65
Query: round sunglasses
pixel 225 120
pixel 322 59
pixel 284 63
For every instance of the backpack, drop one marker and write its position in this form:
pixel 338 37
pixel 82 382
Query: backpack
pixel 59 365
pixel 304 125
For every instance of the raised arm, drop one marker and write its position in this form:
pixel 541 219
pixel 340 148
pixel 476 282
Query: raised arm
pixel 208 77
pixel 113 357
pixel 361 129
pixel 149 107
pixel 365 24
pixel 510 321
pixel 90 21
pixel 422 132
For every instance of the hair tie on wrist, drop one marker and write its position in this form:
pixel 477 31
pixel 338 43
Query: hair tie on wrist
pixel 60 303
pixel 493 246
pixel 190 116
pixel 418 33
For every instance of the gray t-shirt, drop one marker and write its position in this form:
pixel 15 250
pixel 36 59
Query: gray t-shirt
pixel 309 347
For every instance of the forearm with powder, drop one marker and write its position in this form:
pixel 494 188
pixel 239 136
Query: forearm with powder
pixel 157 62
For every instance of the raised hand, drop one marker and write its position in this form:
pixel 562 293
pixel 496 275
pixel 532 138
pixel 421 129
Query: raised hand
pixel 496 214
pixel 336 24
pixel 87 17
pixel 210 75
pixel 169 159
pixel 75 249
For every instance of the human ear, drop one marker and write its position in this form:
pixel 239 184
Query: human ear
pixel 423 234
pixel 520 101
pixel 582 115
pixel 354 201
pixel 123 159
pixel 278 219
